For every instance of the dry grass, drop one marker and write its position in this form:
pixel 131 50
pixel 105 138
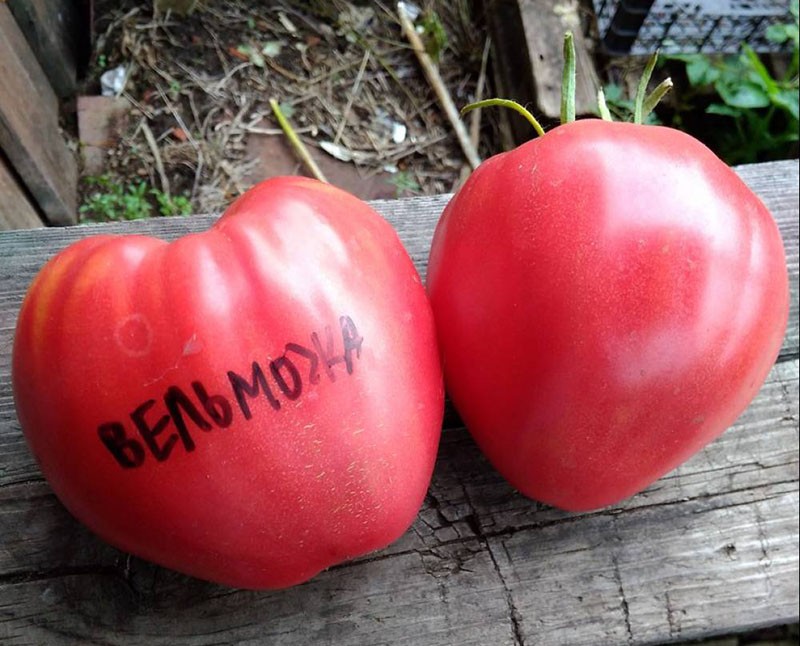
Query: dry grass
pixel 199 85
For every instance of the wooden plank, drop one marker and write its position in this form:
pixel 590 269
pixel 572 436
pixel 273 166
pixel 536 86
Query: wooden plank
pixel 769 181
pixel 16 211
pixel 29 132
pixel 528 38
pixel 511 67
pixel 50 27
pixel 710 548
pixel 545 23
pixel 550 579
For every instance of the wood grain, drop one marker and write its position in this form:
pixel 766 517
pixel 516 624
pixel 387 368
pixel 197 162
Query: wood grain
pixel 29 132
pixel 50 27
pixel 16 210
pixel 711 548
pixel 545 24
pixel 528 39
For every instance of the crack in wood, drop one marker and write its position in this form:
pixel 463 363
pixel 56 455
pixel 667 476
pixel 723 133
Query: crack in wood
pixel 674 628
pixel 766 559
pixel 481 536
pixel 514 615
pixel 27 482
pixel 29 576
pixel 626 611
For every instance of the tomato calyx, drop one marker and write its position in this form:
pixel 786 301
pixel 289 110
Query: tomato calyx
pixel 644 103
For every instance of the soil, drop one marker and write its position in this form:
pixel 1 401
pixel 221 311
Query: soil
pixel 198 122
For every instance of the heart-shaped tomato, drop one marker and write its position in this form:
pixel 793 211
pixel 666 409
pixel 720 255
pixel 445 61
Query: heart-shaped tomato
pixel 250 404
pixel 609 298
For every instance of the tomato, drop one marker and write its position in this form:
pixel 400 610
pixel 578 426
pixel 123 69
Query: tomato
pixel 248 405
pixel 608 298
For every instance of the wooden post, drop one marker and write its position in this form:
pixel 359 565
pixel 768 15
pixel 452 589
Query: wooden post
pixel 51 28
pixel 16 210
pixel 29 131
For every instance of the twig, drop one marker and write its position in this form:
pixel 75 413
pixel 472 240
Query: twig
pixel 299 147
pixel 475 119
pixel 233 176
pixel 393 75
pixel 256 130
pixel 151 142
pixel 178 119
pixel 352 97
pixel 283 71
pixel 432 74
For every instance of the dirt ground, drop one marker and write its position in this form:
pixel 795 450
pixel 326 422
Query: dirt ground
pixel 193 118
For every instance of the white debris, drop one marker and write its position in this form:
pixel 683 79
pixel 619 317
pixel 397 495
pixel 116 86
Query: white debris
pixel 112 82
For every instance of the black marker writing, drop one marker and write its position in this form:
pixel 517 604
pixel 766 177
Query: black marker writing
pixel 190 411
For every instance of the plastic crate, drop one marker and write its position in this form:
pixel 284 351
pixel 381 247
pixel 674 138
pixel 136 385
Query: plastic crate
pixel 639 27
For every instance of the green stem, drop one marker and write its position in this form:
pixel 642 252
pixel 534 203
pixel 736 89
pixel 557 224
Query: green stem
pixel 568 80
pixel 297 144
pixel 602 106
pixel 652 99
pixel 506 103
pixel 641 91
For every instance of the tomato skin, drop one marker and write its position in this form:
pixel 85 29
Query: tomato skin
pixel 339 470
pixel 608 298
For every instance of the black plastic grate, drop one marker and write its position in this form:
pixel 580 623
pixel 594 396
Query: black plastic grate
pixel 639 27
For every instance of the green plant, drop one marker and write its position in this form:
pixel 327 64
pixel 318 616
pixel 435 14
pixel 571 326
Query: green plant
pixel 114 201
pixel 433 34
pixel 404 183
pixel 622 108
pixel 762 109
pixel 169 205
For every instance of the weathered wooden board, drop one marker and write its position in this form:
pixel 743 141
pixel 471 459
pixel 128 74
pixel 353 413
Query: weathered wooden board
pixel 16 211
pixel 711 548
pixel 29 132
pixel 527 44
pixel 545 23
pixel 769 181
pixel 51 27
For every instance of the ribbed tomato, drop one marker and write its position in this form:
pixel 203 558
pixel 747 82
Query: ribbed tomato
pixel 250 404
pixel 609 298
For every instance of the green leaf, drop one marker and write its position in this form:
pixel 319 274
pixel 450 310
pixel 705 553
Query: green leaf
pixel 701 71
pixel 613 93
pixel 272 48
pixel 743 95
pixel 252 53
pixel 777 33
pixel 787 99
pixel 287 109
pixel 434 34
pixel 761 73
pixel 725 110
